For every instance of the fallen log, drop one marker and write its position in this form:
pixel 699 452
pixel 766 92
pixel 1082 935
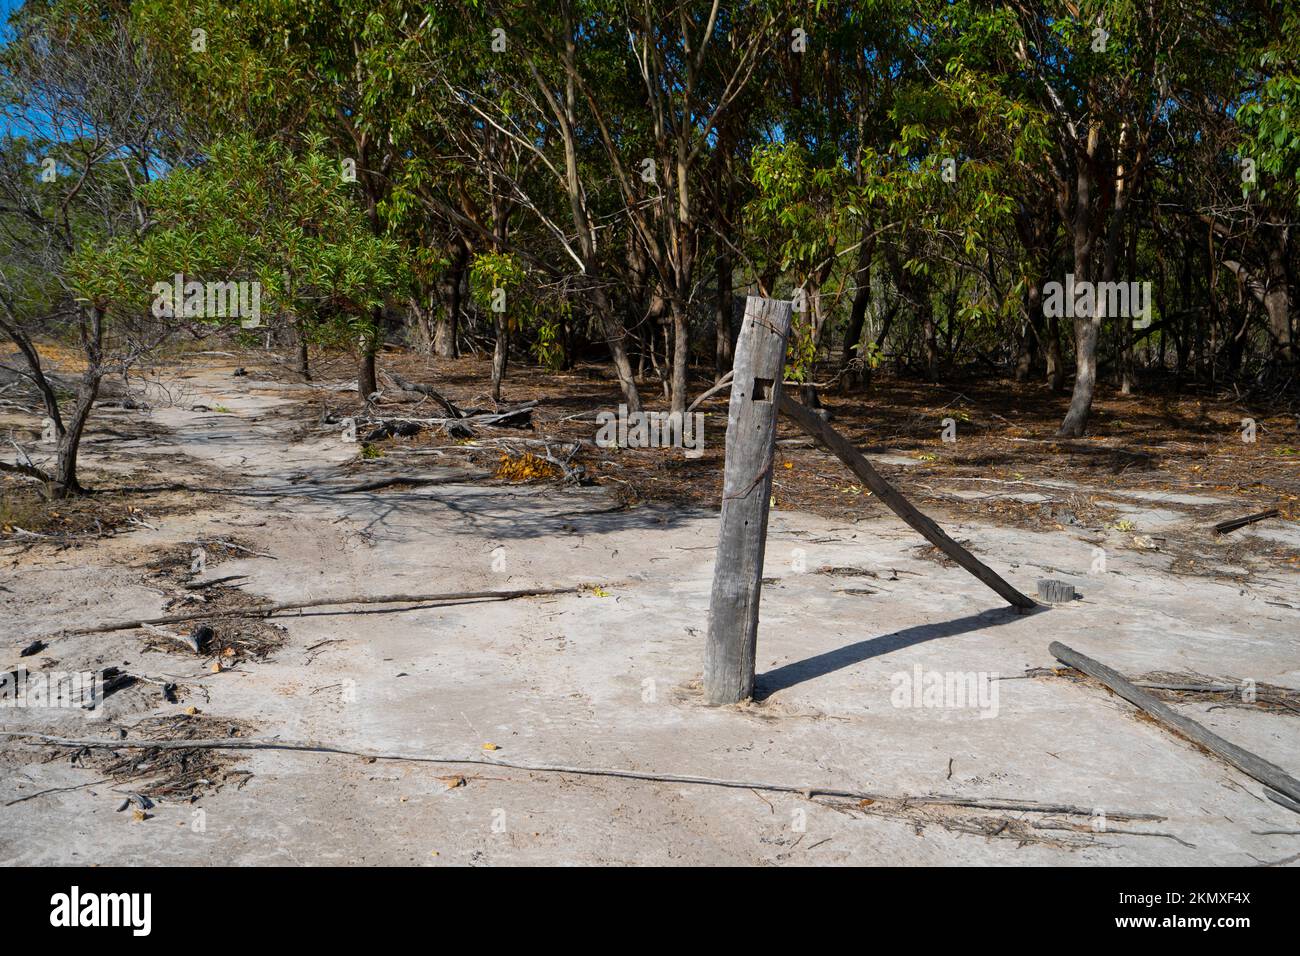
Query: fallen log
pixel 312 746
pixel 812 423
pixel 521 416
pixel 1224 527
pixel 1276 780
pixel 262 610
pixel 429 392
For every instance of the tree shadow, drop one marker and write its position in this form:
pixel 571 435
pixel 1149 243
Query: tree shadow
pixel 797 672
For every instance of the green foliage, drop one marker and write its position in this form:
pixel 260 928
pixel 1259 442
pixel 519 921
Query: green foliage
pixel 253 211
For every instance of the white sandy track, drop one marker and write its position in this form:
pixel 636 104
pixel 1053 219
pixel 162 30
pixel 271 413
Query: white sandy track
pixel 608 681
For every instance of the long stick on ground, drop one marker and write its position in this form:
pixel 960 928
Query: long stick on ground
pixel 258 610
pixel 890 496
pixel 312 746
pixel 1252 765
pixel 308 490
pixel 1226 527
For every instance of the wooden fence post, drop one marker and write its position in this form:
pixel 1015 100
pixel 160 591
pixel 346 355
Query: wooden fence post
pixel 746 490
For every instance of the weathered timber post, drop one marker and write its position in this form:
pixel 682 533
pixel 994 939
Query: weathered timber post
pixel 746 490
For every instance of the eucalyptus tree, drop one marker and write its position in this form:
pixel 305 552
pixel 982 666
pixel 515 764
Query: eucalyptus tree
pixel 253 213
pixel 287 70
pixel 690 64
pixel 88 121
pixel 1269 163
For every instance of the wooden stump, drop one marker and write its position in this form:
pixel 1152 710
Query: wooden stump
pixel 746 490
pixel 1056 592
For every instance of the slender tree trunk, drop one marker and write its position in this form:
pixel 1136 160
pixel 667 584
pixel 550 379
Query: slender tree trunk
pixel 616 338
pixel 681 358
pixel 722 316
pixel 421 306
pixel 857 316
pixel 33 360
pixel 1031 341
pixel 447 325
pixel 1085 327
pixel 1055 359
pixel 65 472
pixel 65 482
pixel 1277 294
pixel 300 331
pixel 367 381
pixel 931 333
pixel 500 353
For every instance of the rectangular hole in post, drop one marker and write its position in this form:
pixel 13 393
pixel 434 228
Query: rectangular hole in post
pixel 762 390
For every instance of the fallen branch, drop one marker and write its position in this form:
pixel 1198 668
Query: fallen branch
pixel 27 471
pixel 257 610
pixel 235 547
pixel 188 640
pixel 305 489
pixel 892 499
pixel 200 585
pixel 311 746
pixel 1224 527
pixel 1273 777
pixel 722 383
pixel 412 480
pixel 41 793
pixel 427 391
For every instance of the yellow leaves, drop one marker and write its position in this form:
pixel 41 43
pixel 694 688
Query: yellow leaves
pixel 490 746
pixel 598 591
pixel 787 464
pixel 525 467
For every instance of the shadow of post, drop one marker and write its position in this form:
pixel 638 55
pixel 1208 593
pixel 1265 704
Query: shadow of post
pixel 797 672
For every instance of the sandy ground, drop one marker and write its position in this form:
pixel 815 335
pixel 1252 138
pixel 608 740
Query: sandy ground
pixel 612 681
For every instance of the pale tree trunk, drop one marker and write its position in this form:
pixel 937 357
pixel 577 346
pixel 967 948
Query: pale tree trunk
pixel 722 317
pixel 420 308
pixel 1085 327
pixel 931 332
pixel 681 358
pixel 500 353
pixel 616 338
